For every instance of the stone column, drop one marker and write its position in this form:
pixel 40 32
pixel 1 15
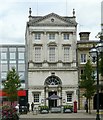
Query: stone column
pixel 30 47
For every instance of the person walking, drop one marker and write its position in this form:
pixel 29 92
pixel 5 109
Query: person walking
pixel 28 105
pixel 32 106
pixel 86 106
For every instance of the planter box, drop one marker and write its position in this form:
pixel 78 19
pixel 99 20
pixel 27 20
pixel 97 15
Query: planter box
pixel 44 111
pixel 67 110
pixel 56 110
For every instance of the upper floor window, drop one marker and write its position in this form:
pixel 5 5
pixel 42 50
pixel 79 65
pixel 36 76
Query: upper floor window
pixel 3 56
pixel 22 75
pixel 66 36
pixel 3 76
pixel 37 36
pixel 83 58
pixel 12 56
pixel 21 56
pixel 51 36
pixel 53 80
pixel 52 54
pixel 69 97
pixel 38 54
pixel 66 54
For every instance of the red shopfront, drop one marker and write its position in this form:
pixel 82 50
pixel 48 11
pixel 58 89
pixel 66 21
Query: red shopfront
pixel 22 97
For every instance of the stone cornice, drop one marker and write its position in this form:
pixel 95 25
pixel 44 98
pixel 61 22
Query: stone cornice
pixel 67 20
pixel 43 86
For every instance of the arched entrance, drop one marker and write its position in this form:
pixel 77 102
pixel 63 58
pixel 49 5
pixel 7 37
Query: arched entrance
pixel 100 101
pixel 53 85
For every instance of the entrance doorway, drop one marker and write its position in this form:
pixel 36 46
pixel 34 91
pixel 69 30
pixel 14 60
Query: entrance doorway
pixel 100 101
pixel 52 103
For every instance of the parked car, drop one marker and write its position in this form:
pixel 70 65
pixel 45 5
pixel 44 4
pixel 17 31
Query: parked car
pixel 23 109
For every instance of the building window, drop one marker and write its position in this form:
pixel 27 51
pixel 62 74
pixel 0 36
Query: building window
pixel 3 76
pixel 21 56
pixel 3 56
pixel 83 58
pixel 51 36
pixel 21 49
pixel 81 73
pixel 22 75
pixel 12 56
pixel 38 54
pixel 66 36
pixel 53 80
pixel 52 54
pixel 66 54
pixel 69 97
pixel 37 36
pixel 36 97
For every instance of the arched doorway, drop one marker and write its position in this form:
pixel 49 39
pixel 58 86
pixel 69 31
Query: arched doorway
pixel 53 85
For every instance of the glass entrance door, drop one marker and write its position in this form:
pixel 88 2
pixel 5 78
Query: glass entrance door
pixel 52 103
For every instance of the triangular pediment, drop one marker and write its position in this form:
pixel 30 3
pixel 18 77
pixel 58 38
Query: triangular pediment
pixel 53 20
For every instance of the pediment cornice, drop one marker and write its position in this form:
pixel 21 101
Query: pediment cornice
pixel 65 20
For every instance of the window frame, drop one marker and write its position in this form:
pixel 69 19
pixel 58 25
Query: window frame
pixel 36 97
pixel 37 55
pixel 83 58
pixel 5 57
pixel 51 36
pixel 52 54
pixel 68 95
pixel 66 36
pixel 66 56
pixel 37 36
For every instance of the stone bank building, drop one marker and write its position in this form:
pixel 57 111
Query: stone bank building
pixel 51 49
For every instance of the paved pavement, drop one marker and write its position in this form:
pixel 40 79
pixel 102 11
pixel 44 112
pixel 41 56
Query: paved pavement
pixel 80 115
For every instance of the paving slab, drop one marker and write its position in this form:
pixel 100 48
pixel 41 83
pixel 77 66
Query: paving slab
pixel 78 115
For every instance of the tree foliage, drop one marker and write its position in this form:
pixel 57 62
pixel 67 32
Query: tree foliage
pixel 11 85
pixel 87 81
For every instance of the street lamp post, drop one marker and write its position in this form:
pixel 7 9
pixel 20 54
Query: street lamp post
pixel 95 52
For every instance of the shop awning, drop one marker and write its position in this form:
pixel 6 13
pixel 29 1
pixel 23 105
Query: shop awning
pixel 54 97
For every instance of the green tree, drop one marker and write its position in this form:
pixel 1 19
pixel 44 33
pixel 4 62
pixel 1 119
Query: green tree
pixel 11 85
pixel 87 82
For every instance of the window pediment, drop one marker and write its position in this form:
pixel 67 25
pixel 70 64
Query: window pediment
pixel 52 44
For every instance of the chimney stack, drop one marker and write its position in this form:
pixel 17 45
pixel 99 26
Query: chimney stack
pixel 84 35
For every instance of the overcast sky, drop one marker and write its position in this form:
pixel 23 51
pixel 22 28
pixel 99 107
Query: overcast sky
pixel 14 15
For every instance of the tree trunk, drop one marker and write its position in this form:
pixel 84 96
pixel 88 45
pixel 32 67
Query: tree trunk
pixel 89 107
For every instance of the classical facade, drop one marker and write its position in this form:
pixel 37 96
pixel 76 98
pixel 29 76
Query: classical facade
pixel 52 69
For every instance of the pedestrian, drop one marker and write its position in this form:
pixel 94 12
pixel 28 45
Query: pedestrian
pixel 28 105
pixel 17 108
pixel 32 106
pixel 86 106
